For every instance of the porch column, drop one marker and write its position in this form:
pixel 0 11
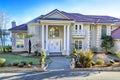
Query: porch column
pixel 42 36
pixel 46 37
pixel 64 37
pixel 68 39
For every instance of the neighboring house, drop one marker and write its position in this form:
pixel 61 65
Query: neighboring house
pixel 59 31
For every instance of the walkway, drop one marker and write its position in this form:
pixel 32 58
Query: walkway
pixel 59 63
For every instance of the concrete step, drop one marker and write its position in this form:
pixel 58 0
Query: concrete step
pixel 52 54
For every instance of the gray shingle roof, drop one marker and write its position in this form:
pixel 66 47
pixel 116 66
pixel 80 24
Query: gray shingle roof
pixel 71 16
pixel 116 33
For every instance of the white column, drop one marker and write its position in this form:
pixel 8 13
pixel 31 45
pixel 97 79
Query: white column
pixel 46 37
pixel 68 39
pixel 64 37
pixel 98 36
pixel 42 36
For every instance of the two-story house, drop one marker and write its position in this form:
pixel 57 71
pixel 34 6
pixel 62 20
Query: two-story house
pixel 60 31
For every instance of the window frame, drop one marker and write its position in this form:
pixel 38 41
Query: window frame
pixel 20 40
pixel 79 46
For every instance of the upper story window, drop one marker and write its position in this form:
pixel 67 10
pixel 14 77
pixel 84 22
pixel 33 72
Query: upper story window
pixel 54 32
pixel 78 44
pixel 78 27
pixel 103 31
pixel 20 40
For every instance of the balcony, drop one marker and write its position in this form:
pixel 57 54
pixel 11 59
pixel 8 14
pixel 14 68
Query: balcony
pixel 78 34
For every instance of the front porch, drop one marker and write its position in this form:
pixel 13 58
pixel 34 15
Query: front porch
pixel 56 38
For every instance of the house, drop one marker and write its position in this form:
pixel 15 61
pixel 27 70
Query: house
pixel 60 31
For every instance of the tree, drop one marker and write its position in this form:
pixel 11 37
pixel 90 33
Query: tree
pixel 107 43
pixel 29 43
pixel 4 20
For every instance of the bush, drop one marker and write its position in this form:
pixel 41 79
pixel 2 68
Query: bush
pixel 43 55
pixel 2 62
pixel 93 63
pixel 74 53
pixel 109 64
pixel 94 49
pixel 85 58
pixel 24 62
pixel 8 48
pixel 116 60
pixel 9 64
pixel 15 64
pixel 113 51
pixel 36 52
pixel 20 65
pixel 118 54
pixel 31 63
pixel 99 62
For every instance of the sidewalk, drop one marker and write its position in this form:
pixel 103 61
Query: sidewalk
pixel 59 63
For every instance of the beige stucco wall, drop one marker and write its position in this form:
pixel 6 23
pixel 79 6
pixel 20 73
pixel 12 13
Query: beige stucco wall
pixel 117 45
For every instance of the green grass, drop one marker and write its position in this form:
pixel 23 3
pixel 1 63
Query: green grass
pixel 17 58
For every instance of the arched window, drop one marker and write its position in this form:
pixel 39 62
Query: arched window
pixel 104 31
pixel 54 32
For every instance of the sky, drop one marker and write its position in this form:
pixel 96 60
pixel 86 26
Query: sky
pixel 23 11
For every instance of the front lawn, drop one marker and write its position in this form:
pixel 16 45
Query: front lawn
pixel 17 58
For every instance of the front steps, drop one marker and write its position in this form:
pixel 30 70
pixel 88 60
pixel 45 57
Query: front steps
pixel 55 54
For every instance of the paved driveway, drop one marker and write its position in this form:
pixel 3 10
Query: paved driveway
pixel 59 63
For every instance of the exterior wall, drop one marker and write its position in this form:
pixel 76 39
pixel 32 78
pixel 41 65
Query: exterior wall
pixel 36 39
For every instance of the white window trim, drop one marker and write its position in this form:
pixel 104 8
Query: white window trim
pixel 78 45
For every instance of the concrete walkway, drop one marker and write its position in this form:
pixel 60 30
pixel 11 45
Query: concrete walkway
pixel 59 63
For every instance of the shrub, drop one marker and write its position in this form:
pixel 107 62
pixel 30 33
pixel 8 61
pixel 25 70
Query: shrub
pixel 2 62
pixel 20 65
pixel 118 54
pixel 15 64
pixel 113 51
pixel 116 60
pixel 36 52
pixel 24 62
pixel 99 62
pixel 74 53
pixel 9 64
pixel 43 55
pixel 31 63
pixel 94 49
pixel 109 64
pixel 8 48
pixel 93 63
pixel 85 58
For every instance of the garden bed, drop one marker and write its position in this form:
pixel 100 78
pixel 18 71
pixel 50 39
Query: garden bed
pixel 12 61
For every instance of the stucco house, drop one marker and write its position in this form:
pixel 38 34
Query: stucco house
pixel 60 31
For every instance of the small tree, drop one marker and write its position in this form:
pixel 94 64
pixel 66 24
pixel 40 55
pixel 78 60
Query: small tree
pixel 43 56
pixel 107 43
pixel 29 43
pixel 74 53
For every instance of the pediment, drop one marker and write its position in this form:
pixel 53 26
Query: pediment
pixel 56 14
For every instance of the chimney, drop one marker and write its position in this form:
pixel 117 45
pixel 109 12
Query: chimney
pixel 13 24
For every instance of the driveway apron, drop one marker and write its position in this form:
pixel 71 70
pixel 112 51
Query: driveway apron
pixel 59 63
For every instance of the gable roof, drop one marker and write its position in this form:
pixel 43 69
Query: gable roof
pixel 116 33
pixel 71 17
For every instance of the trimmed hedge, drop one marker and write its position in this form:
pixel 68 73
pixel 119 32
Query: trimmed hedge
pixel 2 62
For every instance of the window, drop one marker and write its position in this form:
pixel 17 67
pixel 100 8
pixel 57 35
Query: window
pixel 79 27
pixel 20 40
pixel 75 27
pixel 78 44
pixel 103 31
pixel 54 32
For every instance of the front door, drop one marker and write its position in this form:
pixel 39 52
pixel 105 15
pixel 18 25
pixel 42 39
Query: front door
pixel 54 45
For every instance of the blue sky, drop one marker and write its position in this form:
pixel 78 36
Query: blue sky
pixel 24 10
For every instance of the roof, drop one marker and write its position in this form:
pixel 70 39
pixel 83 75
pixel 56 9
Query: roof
pixel 116 33
pixel 22 27
pixel 71 16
